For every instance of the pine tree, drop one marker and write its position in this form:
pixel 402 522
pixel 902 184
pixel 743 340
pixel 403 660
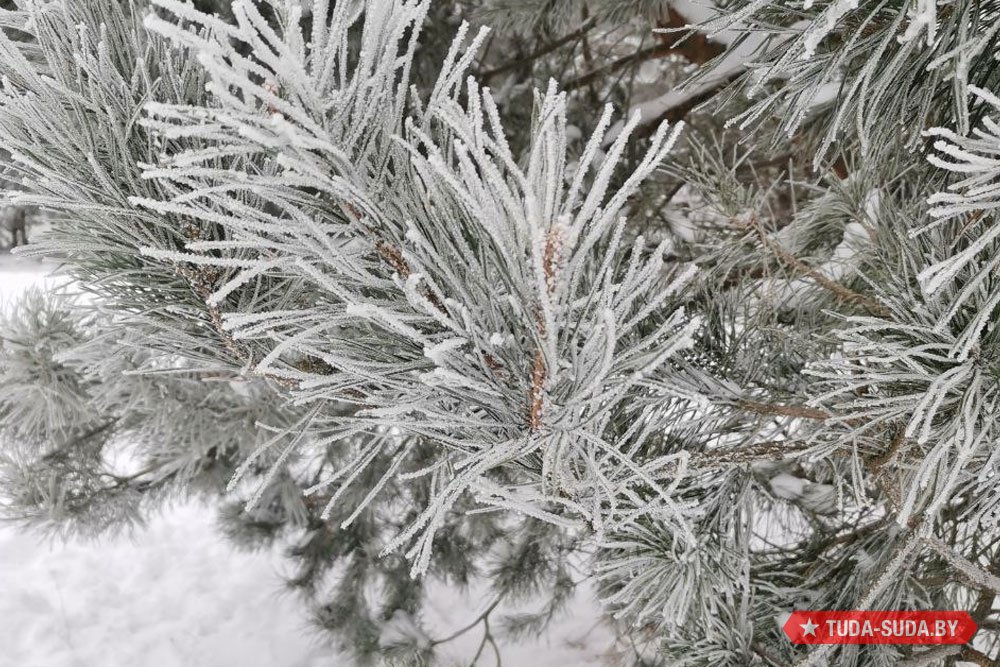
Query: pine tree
pixel 436 311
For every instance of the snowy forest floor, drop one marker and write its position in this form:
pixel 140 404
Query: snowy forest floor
pixel 175 594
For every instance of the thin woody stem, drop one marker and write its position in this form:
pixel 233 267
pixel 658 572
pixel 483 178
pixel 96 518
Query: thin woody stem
pixel 539 372
pixel 763 451
pixel 840 291
pixel 479 619
pixel 538 53
pixel 774 409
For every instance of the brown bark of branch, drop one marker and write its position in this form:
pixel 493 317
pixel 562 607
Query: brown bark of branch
pixel 970 654
pixel 840 291
pixel 766 655
pixel 775 409
pixel 676 113
pixel 539 372
pixel 762 451
pixel 695 46
pixel 876 466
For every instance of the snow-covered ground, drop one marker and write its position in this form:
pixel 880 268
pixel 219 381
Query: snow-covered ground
pixel 172 595
pixel 175 594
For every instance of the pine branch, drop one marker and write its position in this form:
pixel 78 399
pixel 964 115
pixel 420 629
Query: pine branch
pixel 970 572
pixel 679 111
pixel 930 657
pixel 975 656
pixel 840 291
pixel 776 450
pixel 550 258
pixel 877 466
pixel 777 410
pixel 694 46
pixel 595 75
pixel 767 656
pixel 538 53
pixel 476 621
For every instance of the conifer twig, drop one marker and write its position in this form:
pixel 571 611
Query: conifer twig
pixel 840 291
pixel 774 450
pixel 541 51
pixel 775 409
pixel 550 258
pixel 969 571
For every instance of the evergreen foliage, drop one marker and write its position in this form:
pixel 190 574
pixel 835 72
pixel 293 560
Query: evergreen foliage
pixel 436 312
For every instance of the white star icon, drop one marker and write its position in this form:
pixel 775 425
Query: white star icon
pixel 808 628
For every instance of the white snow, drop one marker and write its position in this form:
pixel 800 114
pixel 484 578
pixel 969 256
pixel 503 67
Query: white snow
pixel 788 486
pixel 581 637
pixel 816 497
pixel 840 266
pixel 176 594
pixel 17 275
pixel 732 62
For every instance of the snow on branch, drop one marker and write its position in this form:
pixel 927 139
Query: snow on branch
pixel 477 299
